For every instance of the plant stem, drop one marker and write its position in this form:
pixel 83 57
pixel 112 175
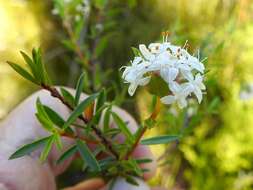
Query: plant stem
pixel 82 138
pixel 78 50
pixel 107 143
pixel 140 134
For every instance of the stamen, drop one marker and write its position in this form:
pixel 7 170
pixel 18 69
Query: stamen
pixel 185 44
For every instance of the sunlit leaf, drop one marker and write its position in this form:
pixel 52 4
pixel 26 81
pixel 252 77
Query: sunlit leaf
pixel 160 140
pixel 30 63
pixel 22 72
pixel 29 148
pixel 43 117
pixel 47 148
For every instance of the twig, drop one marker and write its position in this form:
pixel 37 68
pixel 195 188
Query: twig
pixel 144 129
pixel 54 92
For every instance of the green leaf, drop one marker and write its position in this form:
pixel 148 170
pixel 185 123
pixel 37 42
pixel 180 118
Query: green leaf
pixel 79 89
pixel 58 142
pixel 112 132
pixel 136 51
pixel 101 99
pixel 42 73
pixel 22 72
pixel 79 110
pixel 47 148
pixel 144 160
pixel 37 62
pixel 43 117
pixel 29 148
pixel 87 156
pixel 131 180
pixel 123 127
pixel 54 117
pixel 68 96
pixel 160 140
pixel 67 154
pixel 30 63
pixel 107 118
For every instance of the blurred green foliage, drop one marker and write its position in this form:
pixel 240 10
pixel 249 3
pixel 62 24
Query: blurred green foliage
pixel 216 151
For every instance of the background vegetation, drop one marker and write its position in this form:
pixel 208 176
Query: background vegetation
pixel 217 150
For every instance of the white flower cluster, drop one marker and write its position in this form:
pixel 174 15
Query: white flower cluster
pixel 181 71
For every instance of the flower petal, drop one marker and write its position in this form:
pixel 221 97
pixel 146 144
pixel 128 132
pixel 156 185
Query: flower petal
pixel 173 72
pixel 197 65
pixel 182 103
pixel 146 53
pixel 144 81
pixel 168 99
pixel 136 60
pixel 187 75
pixel 198 94
pixel 175 87
pixel 132 89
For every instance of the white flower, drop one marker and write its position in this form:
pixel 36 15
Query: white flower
pixel 134 74
pixel 146 53
pixel 136 83
pixel 195 86
pixel 180 70
pixel 179 95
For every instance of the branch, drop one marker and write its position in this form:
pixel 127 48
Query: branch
pixel 153 116
pixel 54 92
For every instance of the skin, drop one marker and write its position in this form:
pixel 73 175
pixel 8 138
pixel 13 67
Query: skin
pixel 21 127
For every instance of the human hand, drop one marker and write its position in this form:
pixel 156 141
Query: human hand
pixel 27 173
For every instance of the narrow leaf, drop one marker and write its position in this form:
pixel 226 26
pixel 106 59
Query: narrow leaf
pixel 38 64
pixel 58 142
pixel 123 127
pixel 68 96
pixel 54 117
pixel 87 156
pixel 29 148
pixel 79 89
pixel 160 140
pixel 30 63
pixel 22 72
pixel 107 117
pixel 144 160
pixel 131 180
pixel 67 154
pixel 47 148
pixel 43 117
pixel 79 110
pixel 101 99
